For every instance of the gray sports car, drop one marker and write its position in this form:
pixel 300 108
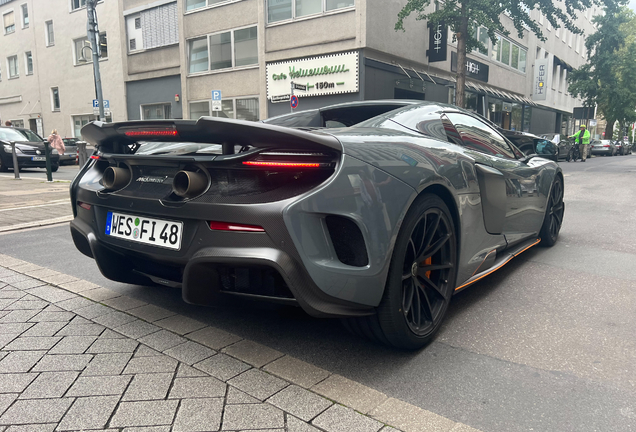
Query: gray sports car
pixel 379 223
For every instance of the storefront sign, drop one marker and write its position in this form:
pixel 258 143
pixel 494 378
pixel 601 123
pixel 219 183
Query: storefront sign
pixel 540 80
pixel 437 43
pixel 324 75
pixel 474 69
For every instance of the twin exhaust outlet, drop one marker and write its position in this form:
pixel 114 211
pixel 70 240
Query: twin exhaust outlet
pixel 186 184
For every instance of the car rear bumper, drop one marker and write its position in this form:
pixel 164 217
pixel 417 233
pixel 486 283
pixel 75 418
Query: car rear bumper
pixel 601 151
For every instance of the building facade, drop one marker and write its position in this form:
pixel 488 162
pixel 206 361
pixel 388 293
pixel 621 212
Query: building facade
pixel 46 69
pixel 167 58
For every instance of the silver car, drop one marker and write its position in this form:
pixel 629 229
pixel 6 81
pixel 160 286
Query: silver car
pixel 603 147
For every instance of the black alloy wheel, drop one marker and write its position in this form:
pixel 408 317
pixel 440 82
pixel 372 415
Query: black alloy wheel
pixel 422 275
pixel 554 214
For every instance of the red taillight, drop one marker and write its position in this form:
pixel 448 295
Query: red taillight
pixel 84 205
pixel 606 146
pixel 228 226
pixel 94 156
pixel 282 164
pixel 151 133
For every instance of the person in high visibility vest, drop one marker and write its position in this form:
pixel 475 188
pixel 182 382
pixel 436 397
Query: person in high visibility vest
pixel 582 138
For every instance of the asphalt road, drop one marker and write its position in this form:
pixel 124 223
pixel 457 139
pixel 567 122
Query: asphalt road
pixel 548 343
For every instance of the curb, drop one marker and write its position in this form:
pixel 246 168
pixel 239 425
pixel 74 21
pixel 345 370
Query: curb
pixel 157 322
pixel 36 223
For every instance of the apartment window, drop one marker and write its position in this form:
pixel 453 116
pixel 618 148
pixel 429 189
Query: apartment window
pixel 483 38
pixel 50 36
pixel 83 55
pixel 280 10
pixel 28 59
pixel 25 15
pixel 514 57
pixel 509 53
pixel 14 71
pixel 19 123
pixel 154 27
pixel 223 50
pixel 505 51
pixel 522 59
pixel 9 22
pixel 78 4
pixel 496 49
pixel 577 41
pixel 198 4
pixel 236 108
pixel 55 99
pixel 156 111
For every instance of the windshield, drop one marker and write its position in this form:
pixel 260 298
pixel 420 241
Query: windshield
pixel 31 136
pixel 13 135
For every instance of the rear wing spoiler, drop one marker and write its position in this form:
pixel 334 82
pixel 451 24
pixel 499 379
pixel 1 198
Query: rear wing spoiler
pixel 118 137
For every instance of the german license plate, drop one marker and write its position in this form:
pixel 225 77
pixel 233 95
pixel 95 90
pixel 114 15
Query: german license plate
pixel 145 230
pixel 38 158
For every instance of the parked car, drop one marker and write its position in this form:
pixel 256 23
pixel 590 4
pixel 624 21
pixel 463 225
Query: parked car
pixel 532 144
pixel 70 156
pixel 375 223
pixel 564 142
pixel 623 147
pixel 29 148
pixel 603 147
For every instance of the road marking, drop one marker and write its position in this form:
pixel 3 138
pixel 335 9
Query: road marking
pixel 51 203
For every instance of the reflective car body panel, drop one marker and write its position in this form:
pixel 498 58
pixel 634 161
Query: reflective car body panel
pixel 30 152
pixel 326 237
pixel 603 147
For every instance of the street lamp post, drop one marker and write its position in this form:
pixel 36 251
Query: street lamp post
pixel 93 37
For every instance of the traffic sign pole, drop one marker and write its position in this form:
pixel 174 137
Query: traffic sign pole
pixel 291 98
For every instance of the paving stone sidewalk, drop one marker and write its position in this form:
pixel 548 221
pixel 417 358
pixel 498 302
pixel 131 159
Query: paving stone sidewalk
pixel 28 203
pixel 71 363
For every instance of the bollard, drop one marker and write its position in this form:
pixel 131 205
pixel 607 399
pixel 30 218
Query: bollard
pixel 47 151
pixel 81 149
pixel 16 168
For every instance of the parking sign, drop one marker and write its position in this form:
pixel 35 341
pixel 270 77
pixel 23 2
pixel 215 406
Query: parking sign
pixel 216 100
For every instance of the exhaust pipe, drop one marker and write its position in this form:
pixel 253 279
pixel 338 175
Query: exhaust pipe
pixel 188 184
pixel 116 178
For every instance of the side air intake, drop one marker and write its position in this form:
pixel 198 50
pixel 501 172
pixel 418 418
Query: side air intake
pixel 347 241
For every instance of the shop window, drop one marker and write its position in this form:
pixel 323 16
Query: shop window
pixel 160 111
pixel 281 10
pixel 199 109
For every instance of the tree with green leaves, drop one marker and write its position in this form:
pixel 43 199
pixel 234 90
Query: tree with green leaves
pixel 608 79
pixel 462 15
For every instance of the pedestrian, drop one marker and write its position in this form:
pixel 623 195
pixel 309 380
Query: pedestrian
pixel 8 123
pixel 582 139
pixel 56 142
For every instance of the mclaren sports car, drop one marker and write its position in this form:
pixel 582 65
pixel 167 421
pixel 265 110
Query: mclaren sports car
pixel 378 222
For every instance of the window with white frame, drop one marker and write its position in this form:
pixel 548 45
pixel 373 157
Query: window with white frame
pixel 12 63
pixel 50 35
pixel 225 50
pixel 9 22
pixel 509 53
pixel 152 28
pixel 19 123
pixel 25 15
pixel 85 55
pixel 28 61
pixel 481 34
pixel 159 111
pixel 55 99
pixel 198 4
pixel 281 10
pixel 234 108
pixel 77 4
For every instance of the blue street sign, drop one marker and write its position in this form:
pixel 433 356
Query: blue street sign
pixel 294 101
pixel 216 95
pixel 96 103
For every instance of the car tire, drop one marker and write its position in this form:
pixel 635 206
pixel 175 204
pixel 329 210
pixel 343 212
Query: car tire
pixel 421 279
pixel 553 218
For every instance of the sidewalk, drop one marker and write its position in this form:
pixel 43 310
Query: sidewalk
pixel 76 356
pixel 29 202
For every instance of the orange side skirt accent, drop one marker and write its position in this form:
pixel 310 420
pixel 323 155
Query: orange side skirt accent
pixel 498 267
